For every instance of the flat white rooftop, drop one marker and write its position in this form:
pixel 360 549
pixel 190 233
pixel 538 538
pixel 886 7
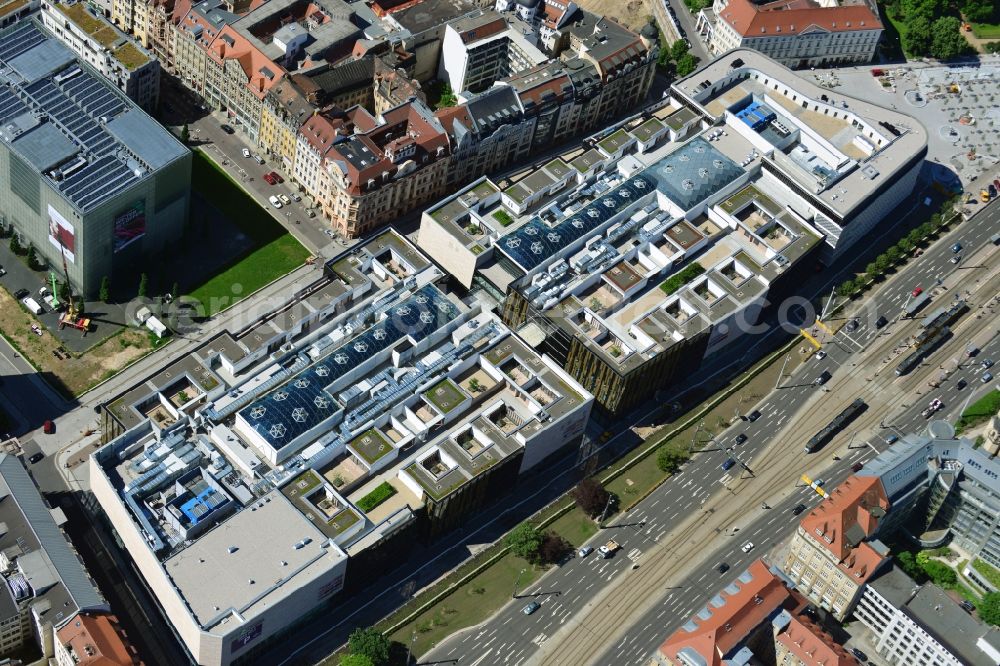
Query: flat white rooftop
pixel 250 559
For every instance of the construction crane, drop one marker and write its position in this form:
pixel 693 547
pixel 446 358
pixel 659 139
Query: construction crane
pixel 70 318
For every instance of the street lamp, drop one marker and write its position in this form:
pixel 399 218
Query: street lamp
pixel 516 581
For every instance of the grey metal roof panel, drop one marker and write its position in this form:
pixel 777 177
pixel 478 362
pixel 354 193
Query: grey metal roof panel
pixel 45 146
pixel 146 138
pixel 41 60
pixel 951 626
pixel 50 538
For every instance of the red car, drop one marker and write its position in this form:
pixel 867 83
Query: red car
pixel 276 177
pixel 916 292
pixel 48 427
pixel 269 179
pixel 996 183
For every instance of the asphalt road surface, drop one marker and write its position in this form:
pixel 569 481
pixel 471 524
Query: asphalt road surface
pixel 512 637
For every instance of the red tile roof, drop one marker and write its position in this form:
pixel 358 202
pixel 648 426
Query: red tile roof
pixel 97 640
pixel 262 72
pixel 811 644
pixel 728 625
pixel 793 17
pixel 849 514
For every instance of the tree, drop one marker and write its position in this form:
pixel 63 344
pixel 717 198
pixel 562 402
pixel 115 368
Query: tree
pixel 590 496
pixel 925 229
pixel 669 460
pixel 143 284
pixel 906 245
pixel 908 563
pixel 882 263
pixel 15 245
pixel 524 541
pixel 940 573
pixel 846 288
pixel 356 660
pixel 872 271
pixel 678 50
pixel 947 41
pixel 894 254
pixel 989 608
pixel 915 236
pixel 371 643
pixel 185 134
pixel 992 47
pixel 447 97
pixel 65 291
pixel 32 258
pixel 686 64
pixel 554 548
pixel 105 293
pixel 917 40
pixel 175 290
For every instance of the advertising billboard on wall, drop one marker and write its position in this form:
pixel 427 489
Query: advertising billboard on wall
pixel 62 235
pixel 130 225
pixel 246 636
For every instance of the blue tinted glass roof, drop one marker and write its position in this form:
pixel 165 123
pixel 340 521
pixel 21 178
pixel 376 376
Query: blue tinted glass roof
pixel 302 403
pixel 536 241
pixel 693 172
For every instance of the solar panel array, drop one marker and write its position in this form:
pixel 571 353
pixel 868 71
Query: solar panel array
pixel 536 242
pixel 75 100
pixel 302 403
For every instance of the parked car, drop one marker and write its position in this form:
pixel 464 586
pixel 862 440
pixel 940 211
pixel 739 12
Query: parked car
pixel 36 457
pixel 859 655
pixel 48 427
pixel 296 197
pixel 799 508
pixel 285 200
pixel 246 152
pixel 275 201
pixel 21 293
pixel 269 179
pixel 258 159
pixel 753 416
pixel 276 176
pixel 747 547
pixel 227 129
pixel 586 550
pixel 968 605
pixel 740 438
pixel 531 608
pixel 722 568
pixel 2 271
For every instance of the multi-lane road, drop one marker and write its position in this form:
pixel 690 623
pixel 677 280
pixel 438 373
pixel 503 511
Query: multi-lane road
pixel 664 525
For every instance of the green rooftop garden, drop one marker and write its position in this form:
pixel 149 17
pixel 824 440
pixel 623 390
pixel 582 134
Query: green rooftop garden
pixel 503 217
pixel 377 496
pixel 343 520
pixel 445 395
pixel 517 192
pixel 447 483
pixel 614 142
pixel 647 129
pixel 371 445
pixel 130 56
pixel 678 280
pixel 987 571
pixel 484 189
pixel 93 26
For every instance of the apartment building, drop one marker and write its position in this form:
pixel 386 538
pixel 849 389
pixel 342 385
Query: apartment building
pixel 194 30
pixel 383 171
pixel 479 49
pixel 799 34
pixel 921 625
pixel 94 639
pixel 547 17
pixel 94 180
pixel 318 443
pixel 42 581
pixel 755 619
pixel 97 42
pixel 835 550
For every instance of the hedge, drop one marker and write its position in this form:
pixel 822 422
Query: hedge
pixel 381 493
pixel 678 280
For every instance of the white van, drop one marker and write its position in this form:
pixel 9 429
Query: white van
pixel 32 305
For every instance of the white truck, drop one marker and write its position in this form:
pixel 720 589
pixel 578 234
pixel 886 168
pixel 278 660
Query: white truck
pixel 609 549
pixel 32 305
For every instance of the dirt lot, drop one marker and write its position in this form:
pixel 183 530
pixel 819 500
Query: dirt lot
pixel 632 13
pixel 76 373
